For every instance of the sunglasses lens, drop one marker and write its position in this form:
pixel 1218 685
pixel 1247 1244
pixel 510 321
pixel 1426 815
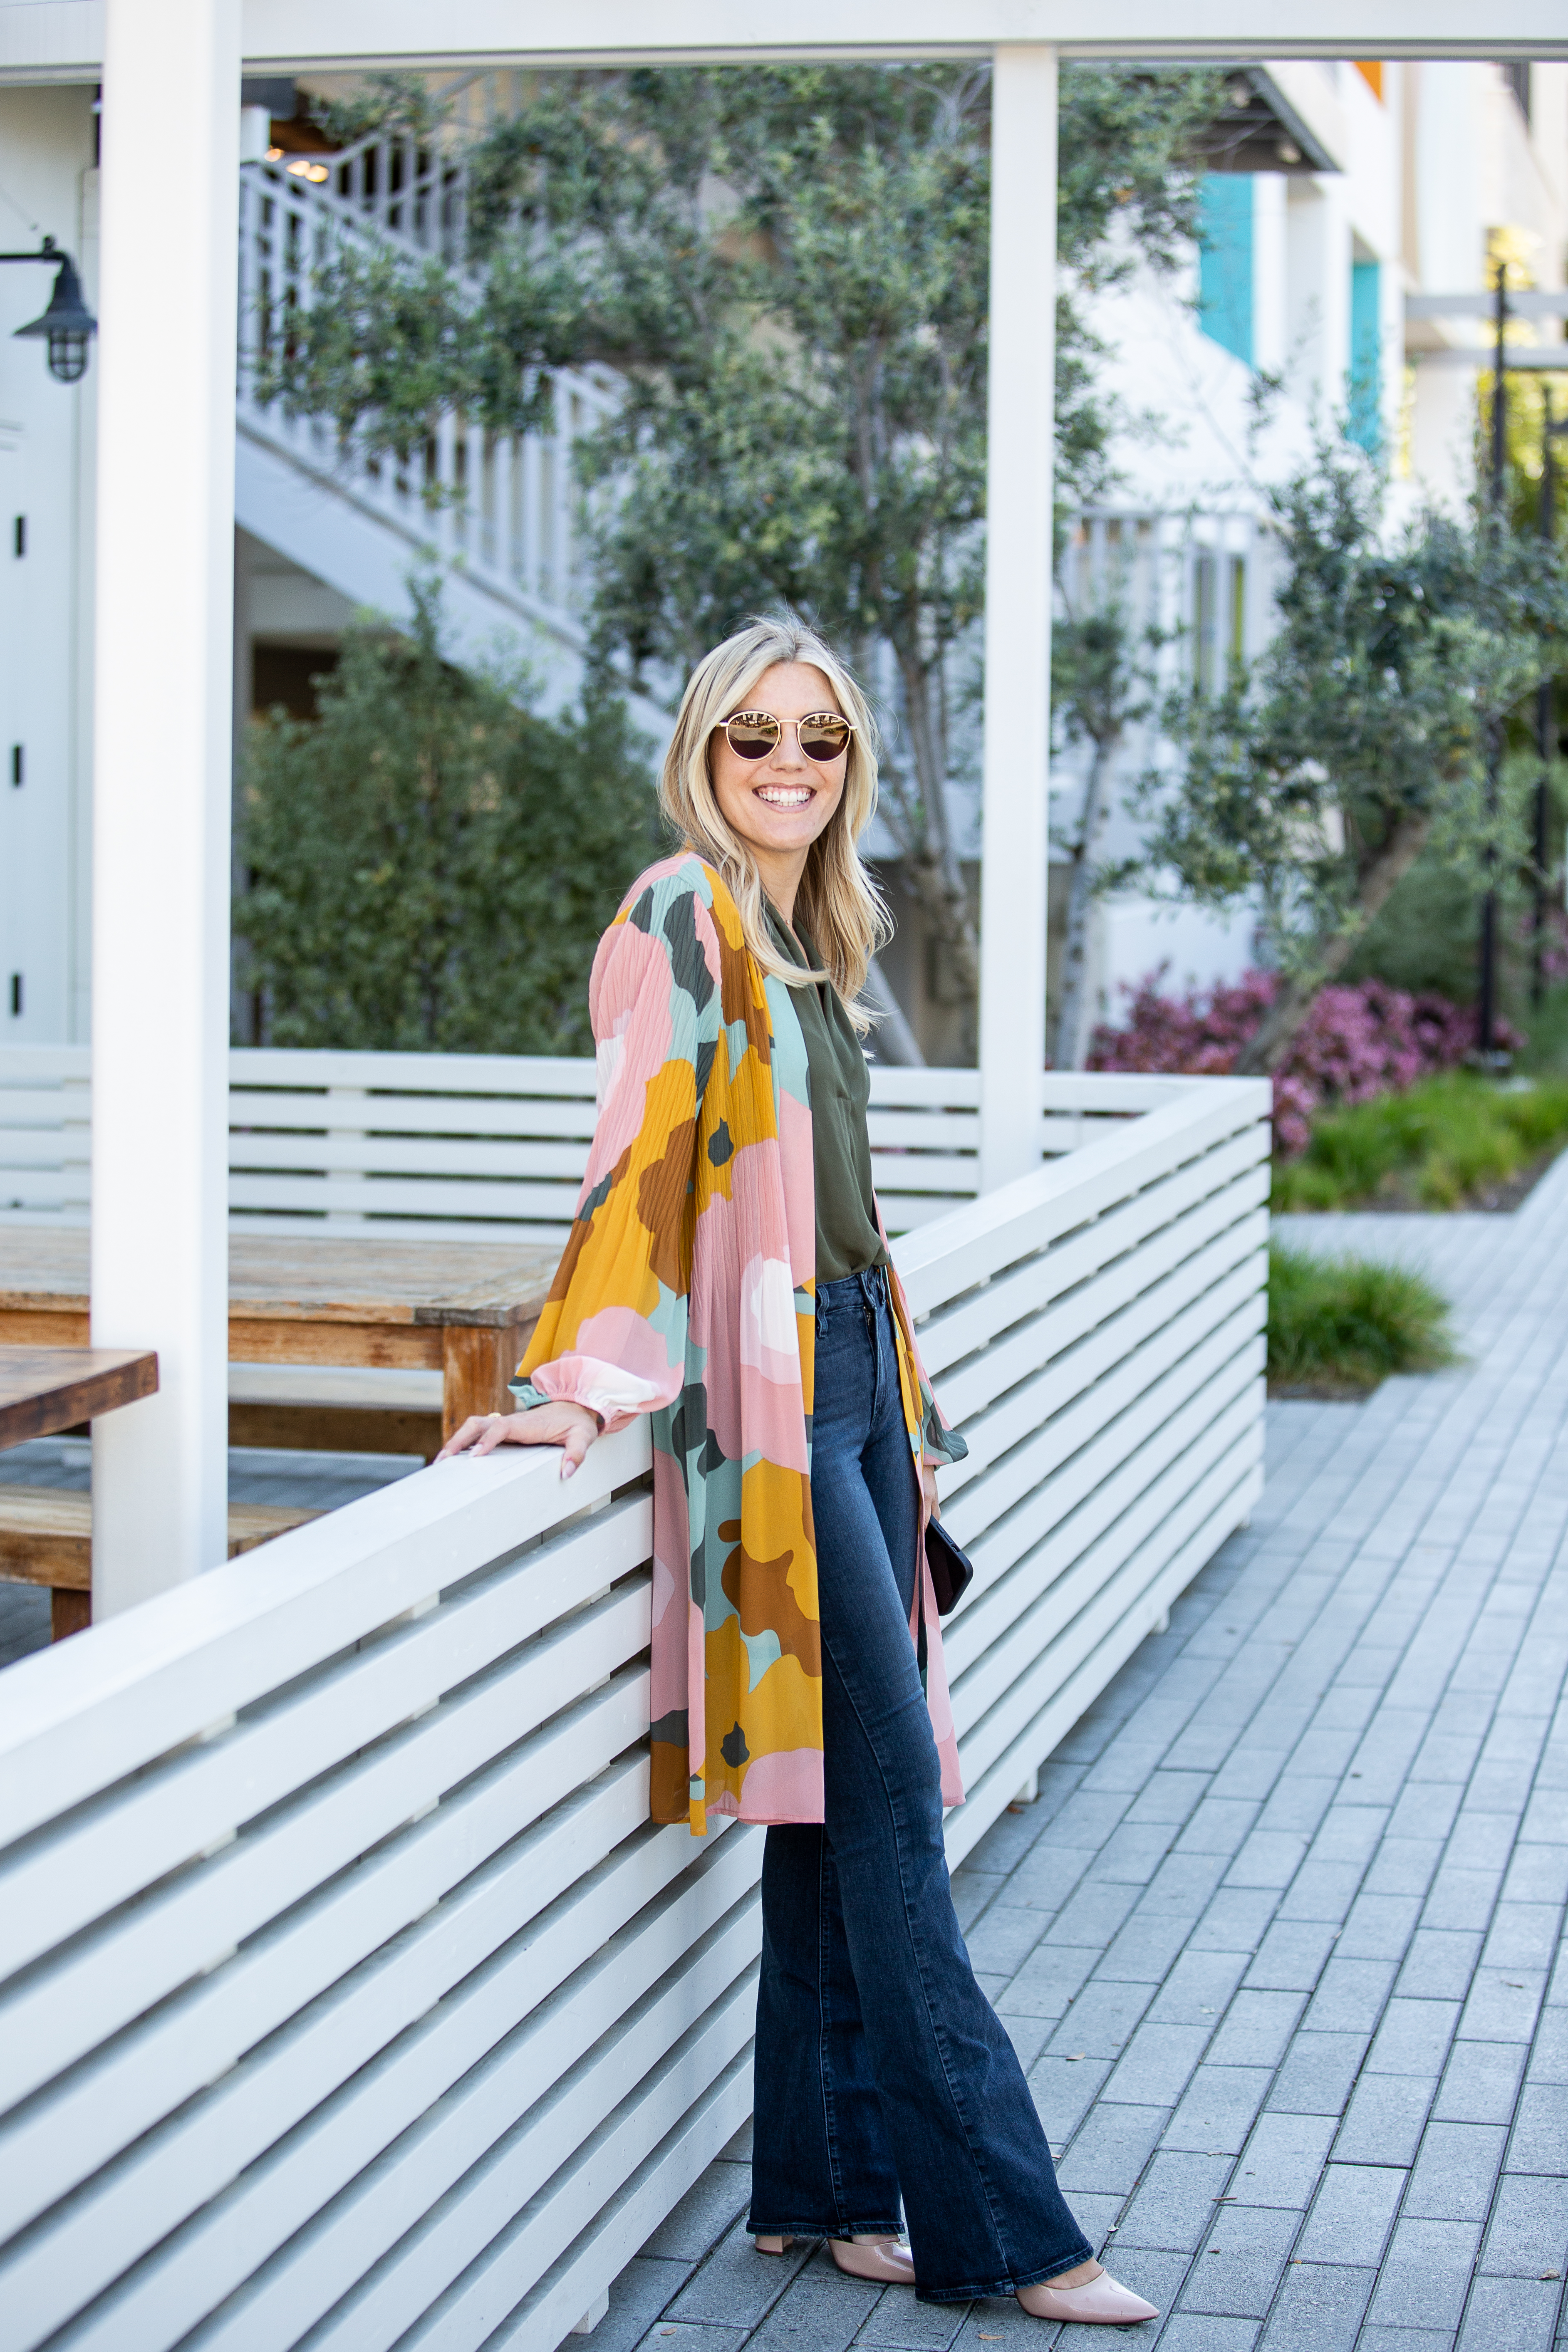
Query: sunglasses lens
pixel 824 737
pixel 751 734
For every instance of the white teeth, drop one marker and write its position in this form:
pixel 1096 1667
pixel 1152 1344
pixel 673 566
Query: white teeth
pixel 784 797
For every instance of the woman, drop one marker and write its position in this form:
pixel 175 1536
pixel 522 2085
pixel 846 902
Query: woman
pixel 727 1274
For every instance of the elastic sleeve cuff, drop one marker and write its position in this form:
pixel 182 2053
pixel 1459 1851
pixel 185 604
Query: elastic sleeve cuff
pixel 528 1396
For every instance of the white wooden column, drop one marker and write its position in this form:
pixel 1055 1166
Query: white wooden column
pixel 162 780
pixel 1017 611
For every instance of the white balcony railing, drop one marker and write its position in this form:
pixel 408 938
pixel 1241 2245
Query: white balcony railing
pixel 347 1996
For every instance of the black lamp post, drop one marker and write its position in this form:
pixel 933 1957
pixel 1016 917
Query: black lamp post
pixel 1486 1053
pixel 67 322
pixel 1552 429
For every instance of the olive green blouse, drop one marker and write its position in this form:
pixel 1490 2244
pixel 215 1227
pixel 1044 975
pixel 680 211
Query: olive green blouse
pixel 847 1240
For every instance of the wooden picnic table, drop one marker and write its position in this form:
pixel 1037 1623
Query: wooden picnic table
pixel 45 1532
pixel 464 1309
pixel 43 1390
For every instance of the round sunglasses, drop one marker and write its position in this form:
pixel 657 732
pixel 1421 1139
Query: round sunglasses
pixel 823 735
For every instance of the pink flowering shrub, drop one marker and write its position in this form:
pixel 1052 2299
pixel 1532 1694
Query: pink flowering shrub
pixel 1356 1042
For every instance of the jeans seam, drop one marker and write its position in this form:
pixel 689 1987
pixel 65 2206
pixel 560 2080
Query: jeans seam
pixel 823 2044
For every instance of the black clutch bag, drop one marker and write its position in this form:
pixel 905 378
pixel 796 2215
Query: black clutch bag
pixel 952 1570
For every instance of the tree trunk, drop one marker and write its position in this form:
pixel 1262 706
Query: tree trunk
pixel 934 875
pixel 1072 1024
pixel 1264 1052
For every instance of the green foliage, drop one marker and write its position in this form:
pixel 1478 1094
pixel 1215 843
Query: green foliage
pixel 1099 687
pixel 1435 1147
pixel 394 103
pixel 431 864
pixel 1545 1052
pixel 1311 784
pixel 1423 937
pixel 788 266
pixel 1339 1326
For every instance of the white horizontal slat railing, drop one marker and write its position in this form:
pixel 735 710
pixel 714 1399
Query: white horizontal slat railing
pixel 347 1996
pixel 490 1146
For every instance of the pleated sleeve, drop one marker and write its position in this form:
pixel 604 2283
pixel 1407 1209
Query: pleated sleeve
pixel 612 1333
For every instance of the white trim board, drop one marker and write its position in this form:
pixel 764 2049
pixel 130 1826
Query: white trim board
pixel 62 40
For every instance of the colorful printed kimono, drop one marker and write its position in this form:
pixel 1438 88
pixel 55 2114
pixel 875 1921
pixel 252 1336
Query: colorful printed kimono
pixel 687 1291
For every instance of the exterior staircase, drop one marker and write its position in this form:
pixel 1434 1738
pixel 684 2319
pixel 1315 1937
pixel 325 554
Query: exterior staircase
pixel 500 515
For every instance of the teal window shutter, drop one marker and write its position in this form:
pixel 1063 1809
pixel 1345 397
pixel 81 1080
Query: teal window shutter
pixel 1365 423
pixel 1224 262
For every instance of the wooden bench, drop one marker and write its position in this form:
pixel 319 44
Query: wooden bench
pixel 46 1537
pixel 338 1409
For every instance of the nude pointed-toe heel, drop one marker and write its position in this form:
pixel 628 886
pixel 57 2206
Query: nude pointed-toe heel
pixel 883 2259
pixel 772 2245
pixel 1103 2303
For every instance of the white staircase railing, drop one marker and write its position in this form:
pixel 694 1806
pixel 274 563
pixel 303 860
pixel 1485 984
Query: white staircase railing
pixel 505 509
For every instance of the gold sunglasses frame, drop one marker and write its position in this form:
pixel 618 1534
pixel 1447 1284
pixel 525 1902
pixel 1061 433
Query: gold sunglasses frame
pixel 782 724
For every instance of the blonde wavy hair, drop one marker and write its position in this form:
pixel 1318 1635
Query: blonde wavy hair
pixel 838 903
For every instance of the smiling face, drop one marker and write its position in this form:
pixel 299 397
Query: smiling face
pixel 779 805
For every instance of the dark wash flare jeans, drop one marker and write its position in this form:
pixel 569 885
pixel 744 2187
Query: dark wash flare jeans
pixel 882 2071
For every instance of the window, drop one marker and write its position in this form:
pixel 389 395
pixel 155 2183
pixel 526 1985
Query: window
pixel 1224 262
pixel 1236 648
pixel 1219 618
pixel 1206 651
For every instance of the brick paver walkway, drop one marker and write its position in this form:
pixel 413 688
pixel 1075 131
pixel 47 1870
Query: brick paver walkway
pixel 1276 1942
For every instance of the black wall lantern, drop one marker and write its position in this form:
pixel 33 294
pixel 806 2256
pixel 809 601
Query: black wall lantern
pixel 67 322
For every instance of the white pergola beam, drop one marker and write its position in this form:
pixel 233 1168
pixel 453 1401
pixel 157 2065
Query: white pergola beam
pixel 662 31
pixel 63 39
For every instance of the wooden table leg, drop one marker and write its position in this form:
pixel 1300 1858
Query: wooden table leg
pixel 478 1362
pixel 69 1612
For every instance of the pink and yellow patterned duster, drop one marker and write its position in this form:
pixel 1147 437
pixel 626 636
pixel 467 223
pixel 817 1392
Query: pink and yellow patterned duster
pixel 686 1291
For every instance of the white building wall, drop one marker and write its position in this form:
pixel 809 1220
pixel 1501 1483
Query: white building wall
pixel 1318 274
pixel 1271 275
pixel 1372 161
pixel 48 187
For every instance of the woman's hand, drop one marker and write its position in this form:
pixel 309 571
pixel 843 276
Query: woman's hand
pixel 572 1427
pixel 927 1488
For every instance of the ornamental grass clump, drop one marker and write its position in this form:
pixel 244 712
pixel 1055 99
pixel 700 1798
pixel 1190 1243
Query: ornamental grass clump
pixel 1443 1143
pixel 1337 1327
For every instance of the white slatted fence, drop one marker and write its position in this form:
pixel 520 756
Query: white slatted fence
pixel 487 1145
pixel 347 1998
